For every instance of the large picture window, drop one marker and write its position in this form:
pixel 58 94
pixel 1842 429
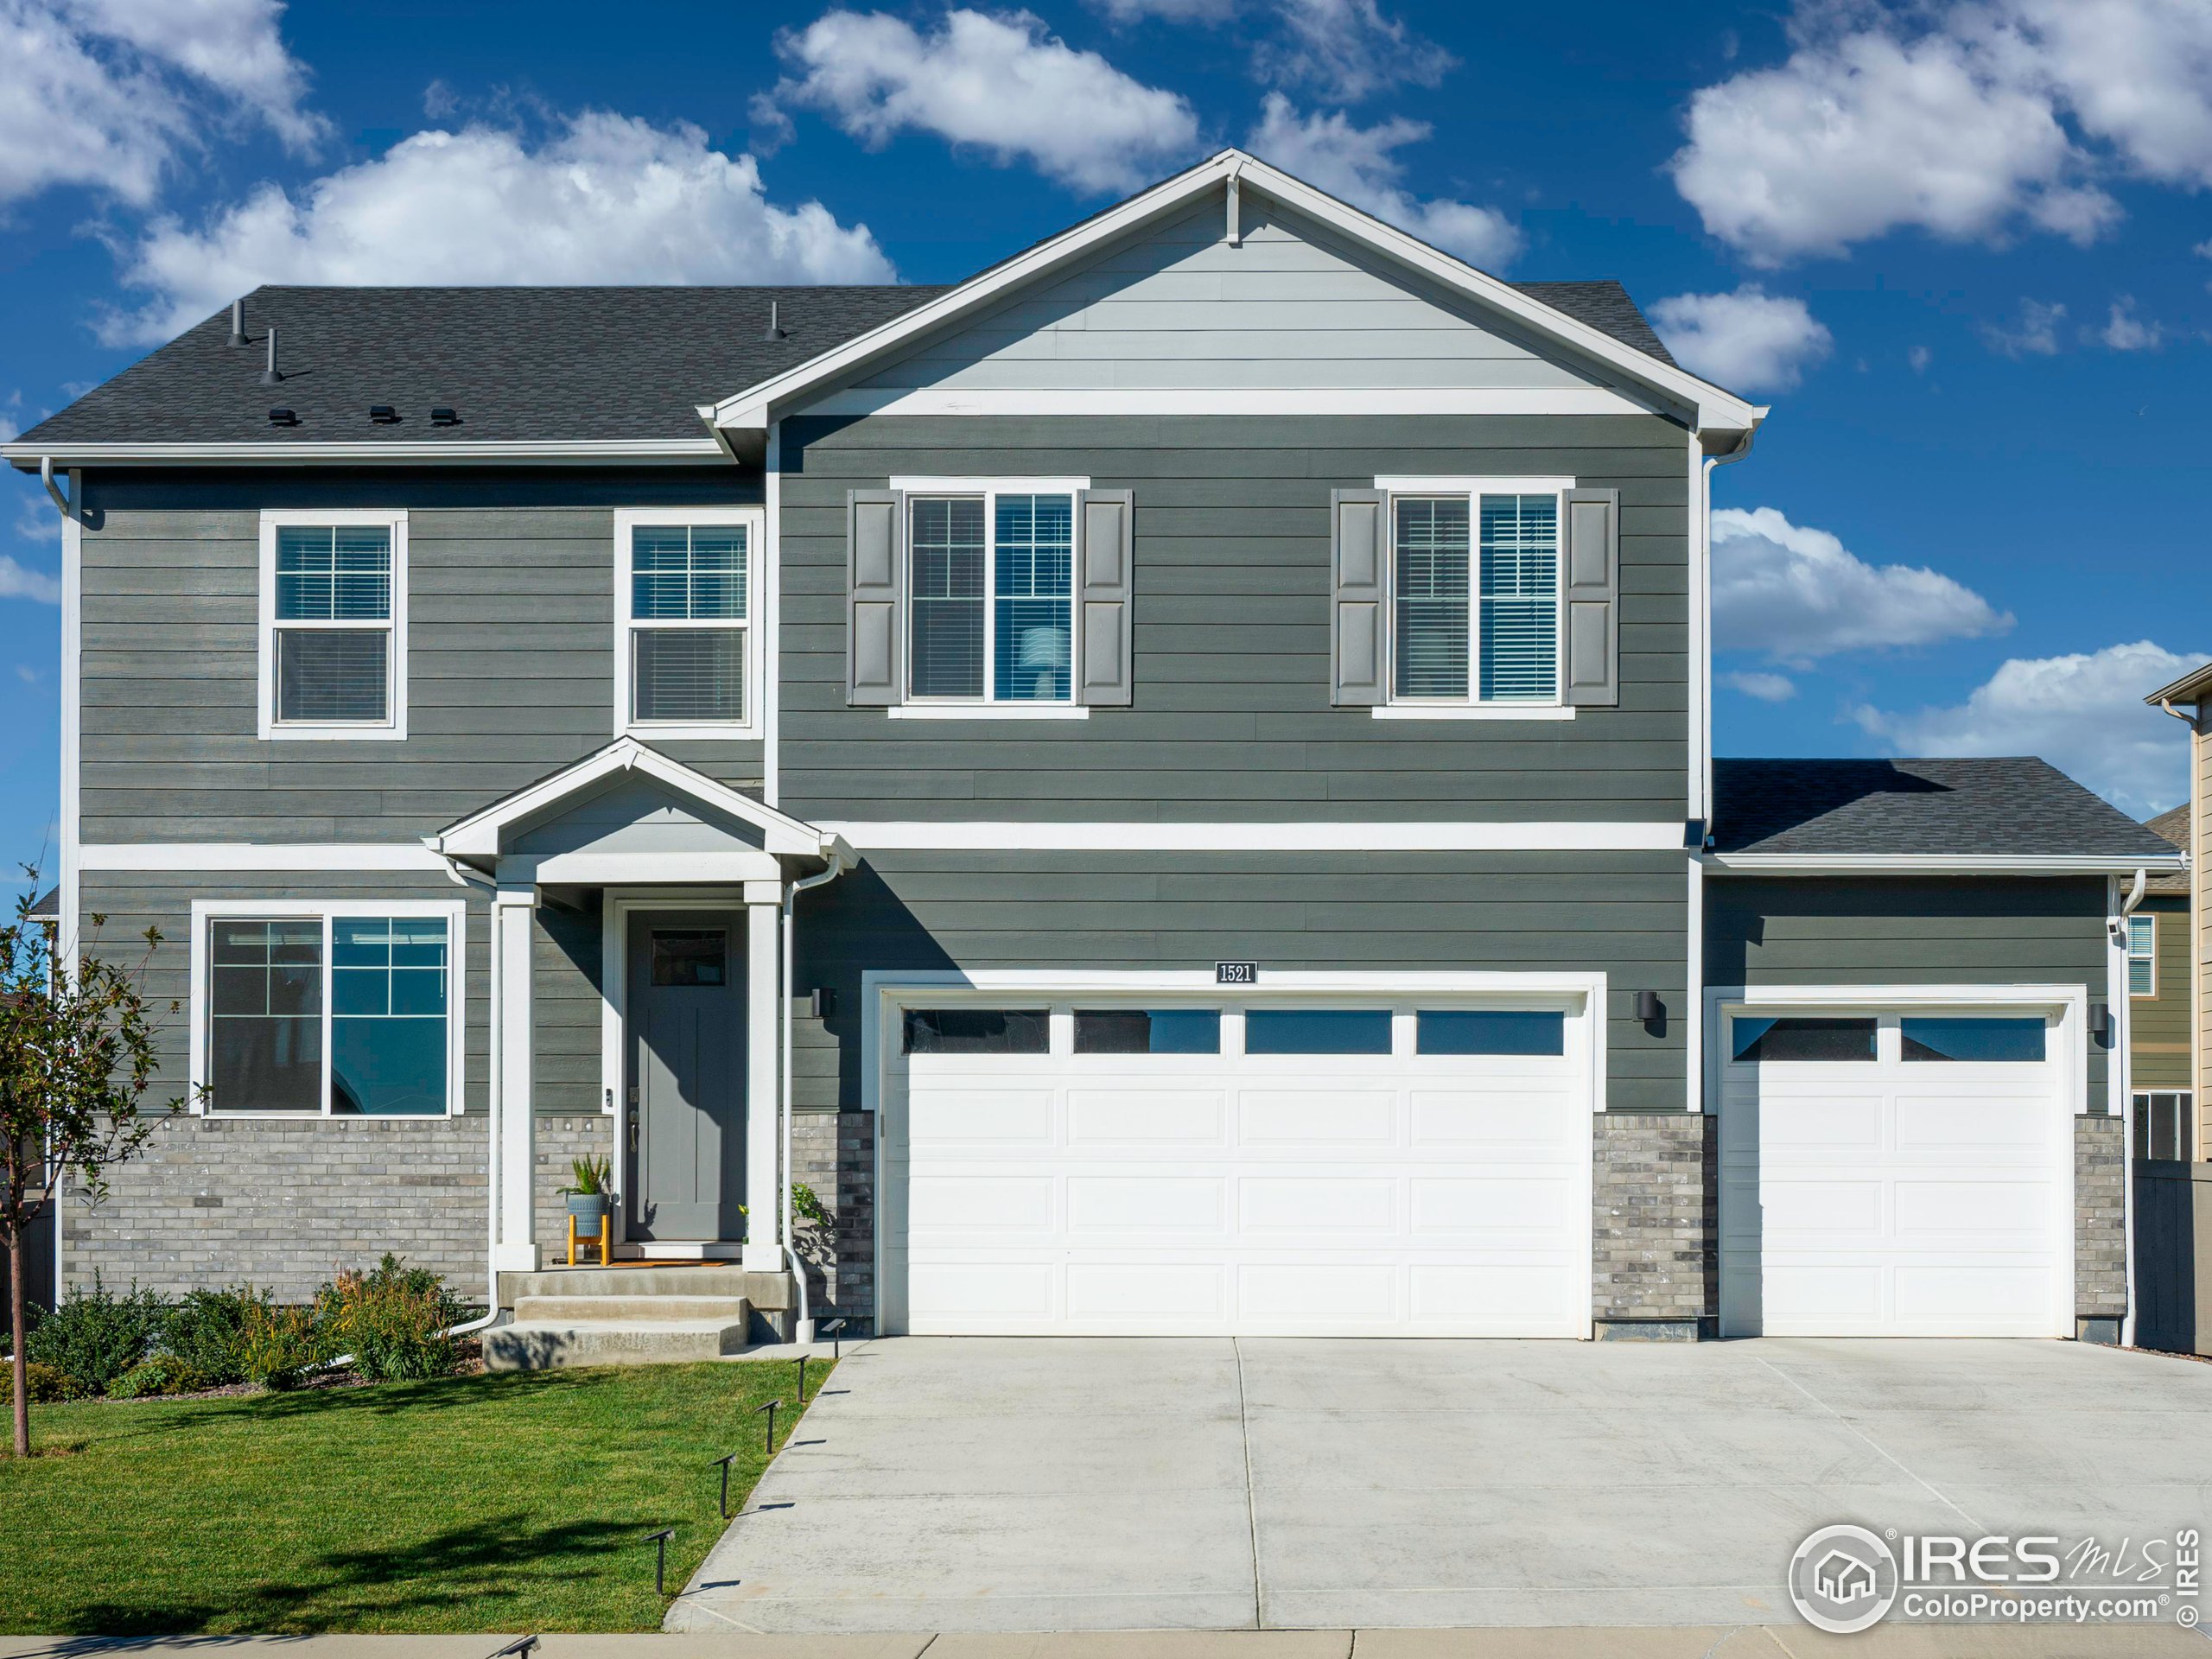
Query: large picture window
pixel 991 592
pixel 685 642
pixel 333 625
pixel 343 1012
pixel 1474 609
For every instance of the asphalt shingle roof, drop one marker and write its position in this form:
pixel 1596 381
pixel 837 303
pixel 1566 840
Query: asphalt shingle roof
pixel 2173 825
pixel 525 364
pixel 2019 806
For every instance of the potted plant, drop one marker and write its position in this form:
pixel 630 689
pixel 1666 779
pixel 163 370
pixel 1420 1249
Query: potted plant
pixel 591 1196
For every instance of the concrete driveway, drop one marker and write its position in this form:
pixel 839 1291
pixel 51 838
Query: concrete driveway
pixel 988 1484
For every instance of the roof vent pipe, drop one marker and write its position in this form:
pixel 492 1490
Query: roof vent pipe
pixel 775 329
pixel 268 376
pixel 237 322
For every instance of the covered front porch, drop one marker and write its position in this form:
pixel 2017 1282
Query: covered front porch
pixel 671 892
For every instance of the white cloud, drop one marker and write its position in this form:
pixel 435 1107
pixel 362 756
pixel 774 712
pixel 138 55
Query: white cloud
pixel 1919 357
pixel 1347 50
pixel 18 583
pixel 2037 335
pixel 1360 165
pixel 2202 249
pixel 1749 341
pixel 1169 11
pixel 1964 120
pixel 2083 712
pixel 608 199
pixel 2125 332
pixel 1767 688
pixel 1798 595
pixel 1006 86
pixel 107 94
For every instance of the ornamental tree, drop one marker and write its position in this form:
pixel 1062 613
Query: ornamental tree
pixel 77 1061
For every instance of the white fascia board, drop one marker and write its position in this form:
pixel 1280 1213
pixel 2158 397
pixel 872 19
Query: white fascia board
pixel 216 856
pixel 1938 864
pixel 610 869
pixel 1261 837
pixel 1714 407
pixel 644 450
pixel 477 836
pixel 1225 400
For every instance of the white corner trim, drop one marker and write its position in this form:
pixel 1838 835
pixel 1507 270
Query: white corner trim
pixel 1260 837
pixel 393 729
pixel 769 645
pixel 989 711
pixel 72 639
pixel 757 623
pixel 455 914
pixel 1939 864
pixel 1471 711
pixel 917 483
pixel 213 857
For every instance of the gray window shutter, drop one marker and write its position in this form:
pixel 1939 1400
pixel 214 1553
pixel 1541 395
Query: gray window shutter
pixel 1594 598
pixel 875 528
pixel 1108 554
pixel 1357 546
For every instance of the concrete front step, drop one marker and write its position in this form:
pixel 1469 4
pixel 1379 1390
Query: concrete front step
pixel 621 1310
pixel 619 1280
pixel 552 1344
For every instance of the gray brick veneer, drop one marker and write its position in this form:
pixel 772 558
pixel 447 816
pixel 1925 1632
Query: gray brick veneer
pixel 1655 1268
pixel 2100 1236
pixel 834 1152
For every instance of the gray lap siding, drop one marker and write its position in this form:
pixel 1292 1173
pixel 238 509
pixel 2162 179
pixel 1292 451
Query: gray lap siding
pixel 509 656
pixel 1230 717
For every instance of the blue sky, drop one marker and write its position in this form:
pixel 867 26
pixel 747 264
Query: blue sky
pixel 1963 249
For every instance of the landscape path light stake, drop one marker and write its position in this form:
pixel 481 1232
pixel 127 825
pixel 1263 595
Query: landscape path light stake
pixel 520 1648
pixel 798 1395
pixel 769 1445
pixel 723 1504
pixel 836 1341
pixel 660 1561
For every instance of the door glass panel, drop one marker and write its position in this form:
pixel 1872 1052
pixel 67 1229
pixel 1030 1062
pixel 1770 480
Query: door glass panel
pixel 264 1037
pixel 1804 1037
pixel 1490 1031
pixel 1147 1031
pixel 1317 1031
pixel 1975 1040
pixel 977 1031
pixel 690 957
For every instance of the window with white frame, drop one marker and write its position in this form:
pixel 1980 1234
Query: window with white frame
pixel 2142 955
pixel 1474 609
pixel 334 610
pixel 349 1011
pixel 991 595
pixel 685 652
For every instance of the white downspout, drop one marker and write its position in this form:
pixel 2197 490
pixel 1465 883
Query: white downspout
pixel 841 857
pixel 461 876
pixel 2124 1046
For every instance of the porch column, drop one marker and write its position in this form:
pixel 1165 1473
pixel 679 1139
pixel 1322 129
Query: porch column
pixel 512 914
pixel 763 1036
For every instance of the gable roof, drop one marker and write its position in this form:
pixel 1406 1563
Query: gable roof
pixel 1949 813
pixel 2173 825
pixel 1709 407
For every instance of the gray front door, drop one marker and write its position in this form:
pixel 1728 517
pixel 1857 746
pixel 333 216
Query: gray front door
pixel 686 1043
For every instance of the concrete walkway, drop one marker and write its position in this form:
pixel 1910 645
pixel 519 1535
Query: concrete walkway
pixel 981 1485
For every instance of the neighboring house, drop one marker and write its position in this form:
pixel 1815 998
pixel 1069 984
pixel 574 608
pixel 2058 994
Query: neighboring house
pixel 1214 712
pixel 2188 699
pixel 2161 995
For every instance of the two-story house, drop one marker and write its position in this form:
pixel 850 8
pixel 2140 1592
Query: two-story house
pixel 1170 782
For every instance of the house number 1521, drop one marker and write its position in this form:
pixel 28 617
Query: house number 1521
pixel 1236 973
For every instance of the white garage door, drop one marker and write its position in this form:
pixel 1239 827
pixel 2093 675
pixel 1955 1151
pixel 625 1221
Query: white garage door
pixel 1341 1168
pixel 1896 1174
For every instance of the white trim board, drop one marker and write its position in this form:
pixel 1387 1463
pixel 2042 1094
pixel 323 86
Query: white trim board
pixel 1263 838
pixel 1940 863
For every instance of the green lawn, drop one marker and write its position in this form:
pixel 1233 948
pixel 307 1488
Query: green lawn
pixel 509 1502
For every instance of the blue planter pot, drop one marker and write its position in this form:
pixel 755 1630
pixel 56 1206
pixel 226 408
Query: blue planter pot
pixel 590 1210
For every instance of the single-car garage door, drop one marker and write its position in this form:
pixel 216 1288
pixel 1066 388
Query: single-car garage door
pixel 1340 1166
pixel 1895 1172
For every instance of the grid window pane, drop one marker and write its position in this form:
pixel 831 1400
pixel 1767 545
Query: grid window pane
pixel 1035 574
pixel 688 573
pixel 264 1026
pixel 688 674
pixel 2142 955
pixel 333 572
pixel 333 675
pixel 388 1046
pixel 1520 598
pixel 946 579
pixel 1430 583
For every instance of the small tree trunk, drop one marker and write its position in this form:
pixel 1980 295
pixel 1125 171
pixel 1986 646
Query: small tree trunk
pixel 16 1363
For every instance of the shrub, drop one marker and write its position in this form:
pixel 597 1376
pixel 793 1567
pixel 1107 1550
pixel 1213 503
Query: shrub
pixel 45 1384
pixel 206 1332
pixel 96 1336
pixel 393 1321
pixel 278 1346
pixel 162 1374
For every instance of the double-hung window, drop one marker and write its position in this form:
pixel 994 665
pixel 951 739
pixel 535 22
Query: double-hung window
pixel 345 1010
pixel 686 655
pixel 333 625
pixel 1474 605
pixel 990 591
pixel 2142 955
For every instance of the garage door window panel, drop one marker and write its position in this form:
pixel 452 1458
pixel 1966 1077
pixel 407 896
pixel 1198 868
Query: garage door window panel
pixel 1147 1031
pixel 1819 1039
pixel 1317 1031
pixel 1972 1041
pixel 1490 1031
pixel 977 1031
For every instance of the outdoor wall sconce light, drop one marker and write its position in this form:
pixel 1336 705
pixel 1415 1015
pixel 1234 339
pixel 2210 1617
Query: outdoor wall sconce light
pixel 1646 1008
pixel 2101 1023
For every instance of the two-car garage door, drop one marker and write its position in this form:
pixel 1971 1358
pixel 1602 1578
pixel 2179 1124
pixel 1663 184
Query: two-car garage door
pixel 1214 1165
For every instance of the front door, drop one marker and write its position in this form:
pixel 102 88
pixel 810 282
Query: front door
pixel 686 1085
